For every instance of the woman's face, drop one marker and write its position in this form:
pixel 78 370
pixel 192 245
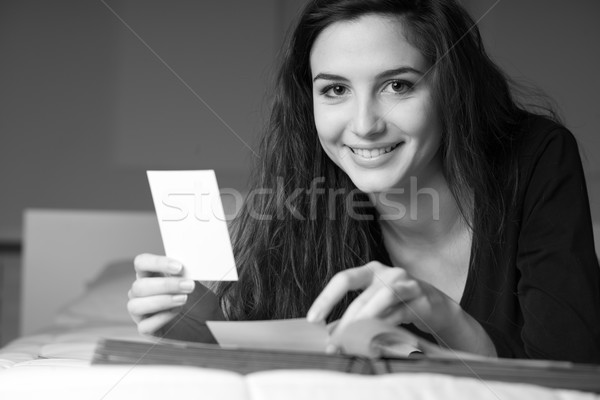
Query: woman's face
pixel 373 106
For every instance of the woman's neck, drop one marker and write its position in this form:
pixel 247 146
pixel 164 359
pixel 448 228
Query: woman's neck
pixel 421 215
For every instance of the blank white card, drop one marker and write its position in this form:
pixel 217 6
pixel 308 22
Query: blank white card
pixel 192 223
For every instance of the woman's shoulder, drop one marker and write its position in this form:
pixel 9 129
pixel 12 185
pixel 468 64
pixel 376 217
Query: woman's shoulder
pixel 547 155
pixel 539 134
pixel 545 150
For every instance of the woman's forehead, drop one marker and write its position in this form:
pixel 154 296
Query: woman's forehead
pixel 363 46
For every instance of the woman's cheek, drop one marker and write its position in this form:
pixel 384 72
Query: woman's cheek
pixel 330 124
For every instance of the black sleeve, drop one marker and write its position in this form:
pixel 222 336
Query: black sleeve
pixel 190 323
pixel 559 284
pixel 505 345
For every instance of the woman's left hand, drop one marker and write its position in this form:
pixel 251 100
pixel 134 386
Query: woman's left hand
pixel 390 294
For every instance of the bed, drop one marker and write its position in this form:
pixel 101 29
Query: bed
pixel 76 273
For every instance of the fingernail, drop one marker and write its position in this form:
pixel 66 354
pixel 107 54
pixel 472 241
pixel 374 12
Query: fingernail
pixel 179 298
pixel 313 316
pixel 174 267
pixel 187 286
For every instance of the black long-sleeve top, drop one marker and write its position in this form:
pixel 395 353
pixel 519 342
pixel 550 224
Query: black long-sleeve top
pixel 541 299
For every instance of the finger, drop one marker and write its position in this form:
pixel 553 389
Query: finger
pixel 142 306
pixel 397 315
pixel 332 349
pixel 415 312
pixel 356 306
pixel 147 264
pixel 149 325
pixel 388 298
pixel 136 318
pixel 143 287
pixel 336 289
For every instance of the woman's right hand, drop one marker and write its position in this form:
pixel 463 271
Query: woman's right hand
pixel 158 292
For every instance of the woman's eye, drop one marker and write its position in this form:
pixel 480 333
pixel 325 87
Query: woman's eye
pixel 399 87
pixel 335 91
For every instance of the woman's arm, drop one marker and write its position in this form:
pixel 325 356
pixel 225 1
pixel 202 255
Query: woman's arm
pixel 466 334
pixel 559 285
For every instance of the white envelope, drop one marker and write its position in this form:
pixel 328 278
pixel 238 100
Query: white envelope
pixel 192 223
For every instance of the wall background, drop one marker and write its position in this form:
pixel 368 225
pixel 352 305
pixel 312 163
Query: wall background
pixel 86 107
pixel 553 45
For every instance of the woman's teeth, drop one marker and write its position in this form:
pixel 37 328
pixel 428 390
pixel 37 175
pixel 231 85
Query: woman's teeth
pixel 373 153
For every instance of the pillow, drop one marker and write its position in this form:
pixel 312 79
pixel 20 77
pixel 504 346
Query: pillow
pixel 105 298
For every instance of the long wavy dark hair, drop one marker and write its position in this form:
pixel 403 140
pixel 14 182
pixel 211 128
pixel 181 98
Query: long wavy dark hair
pixel 289 239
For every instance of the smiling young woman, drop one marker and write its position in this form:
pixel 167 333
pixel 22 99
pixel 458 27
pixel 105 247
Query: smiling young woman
pixel 373 104
pixel 439 199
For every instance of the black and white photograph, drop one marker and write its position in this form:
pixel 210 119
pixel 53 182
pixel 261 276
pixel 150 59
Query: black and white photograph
pixel 299 199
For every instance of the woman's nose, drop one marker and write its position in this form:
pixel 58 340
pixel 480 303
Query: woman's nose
pixel 367 120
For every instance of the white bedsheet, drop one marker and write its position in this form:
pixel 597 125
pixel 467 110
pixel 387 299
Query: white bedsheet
pixel 75 343
pixel 56 365
pixel 41 381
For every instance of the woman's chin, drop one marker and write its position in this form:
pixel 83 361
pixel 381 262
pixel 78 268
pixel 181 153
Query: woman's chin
pixel 378 180
pixel 372 186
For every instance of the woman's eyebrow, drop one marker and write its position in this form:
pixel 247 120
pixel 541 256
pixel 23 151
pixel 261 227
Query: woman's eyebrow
pixel 385 74
pixel 330 77
pixel 397 71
